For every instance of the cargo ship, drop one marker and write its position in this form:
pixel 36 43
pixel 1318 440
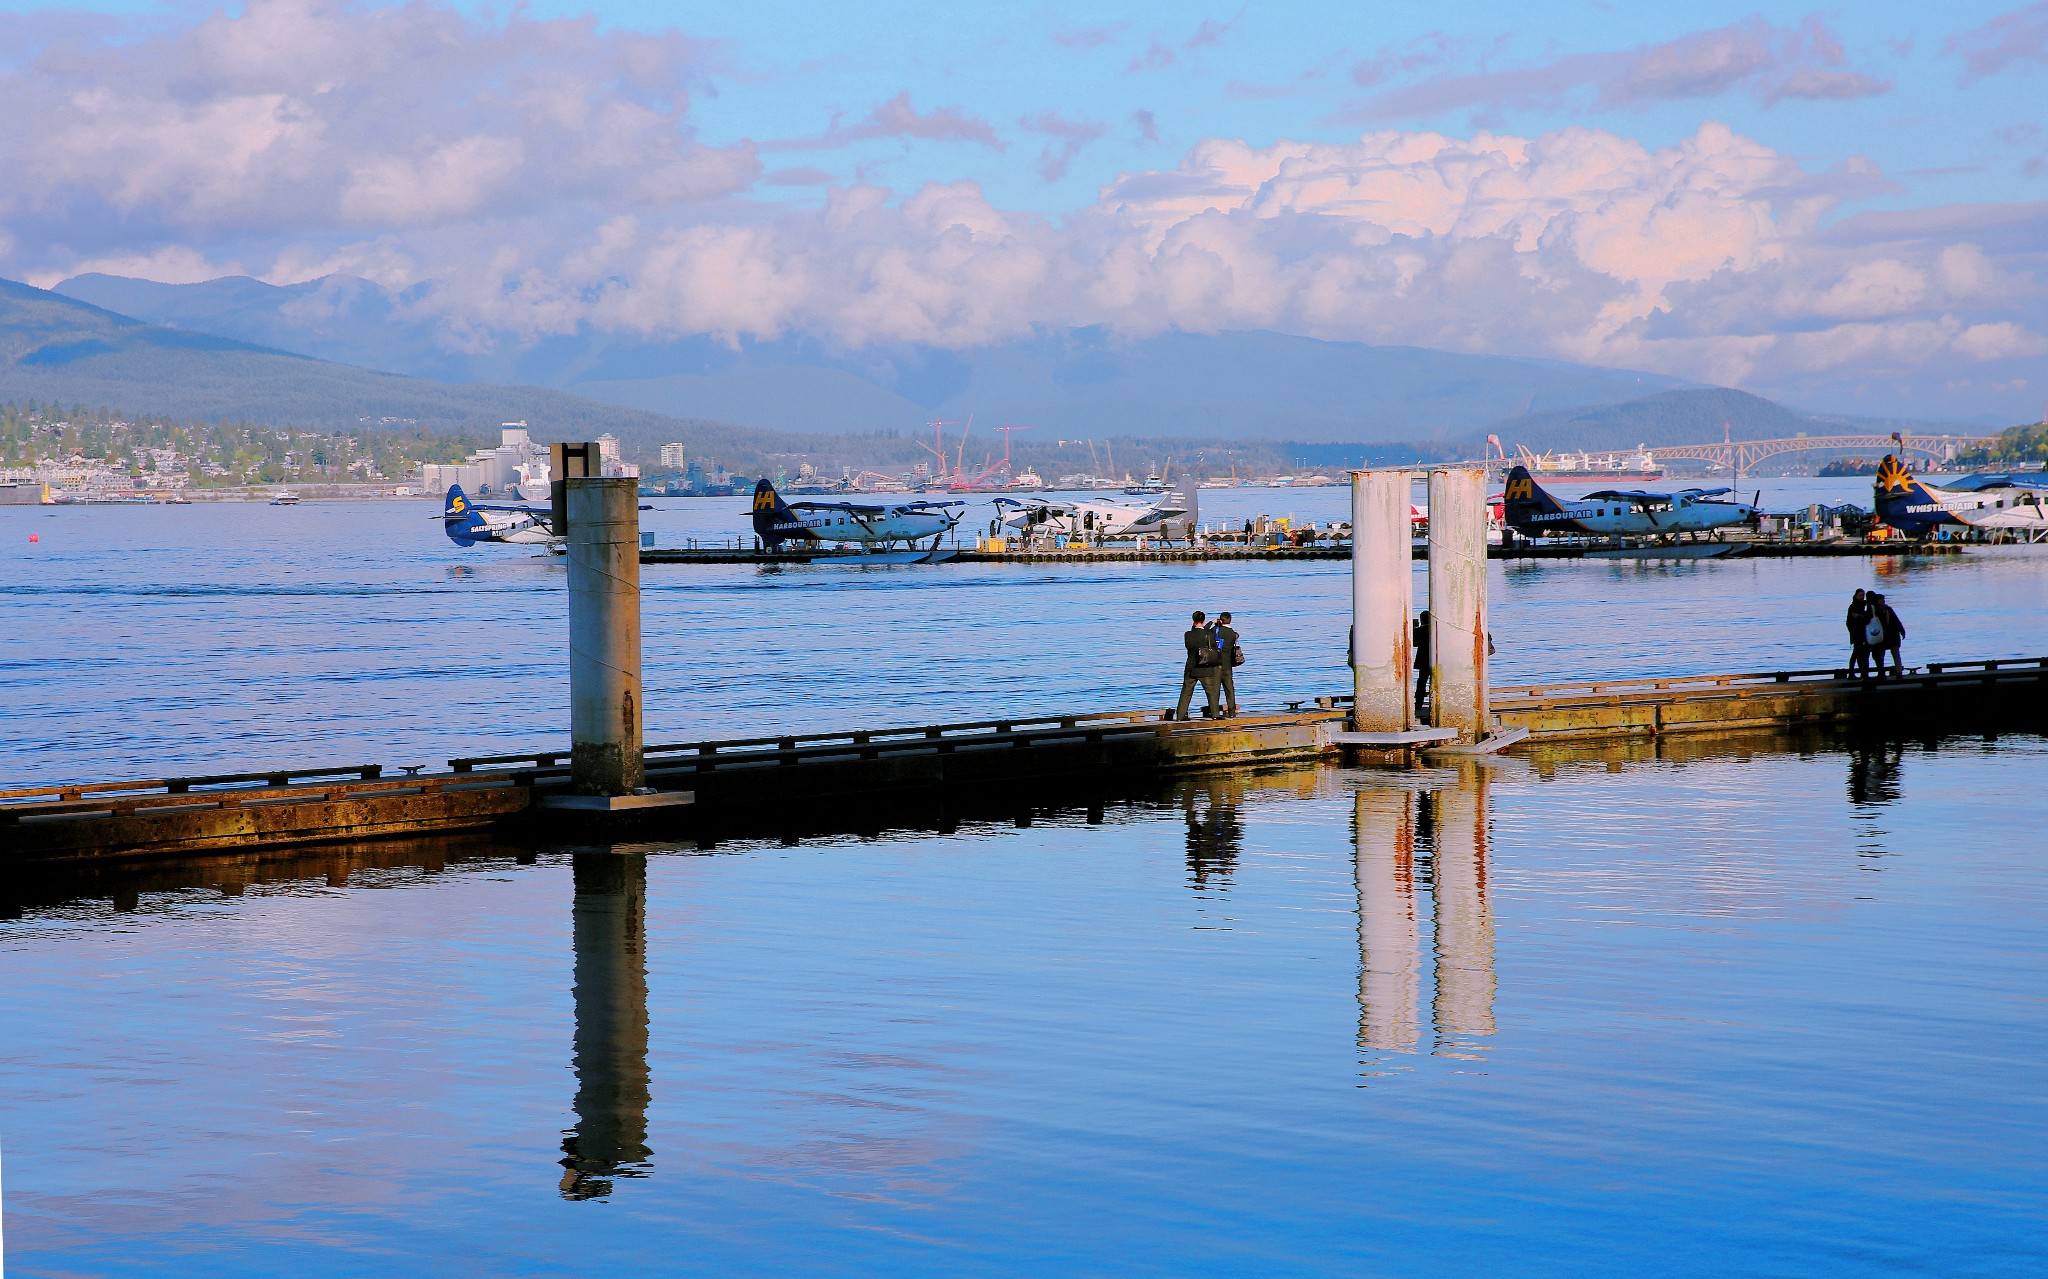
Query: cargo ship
pixel 1634 464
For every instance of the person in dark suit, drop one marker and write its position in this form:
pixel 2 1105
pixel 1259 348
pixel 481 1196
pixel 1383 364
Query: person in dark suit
pixel 1418 638
pixel 1226 651
pixel 1200 667
pixel 1859 645
pixel 1892 634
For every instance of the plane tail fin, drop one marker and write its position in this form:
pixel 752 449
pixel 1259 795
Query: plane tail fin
pixel 773 520
pixel 1896 495
pixel 459 520
pixel 1523 498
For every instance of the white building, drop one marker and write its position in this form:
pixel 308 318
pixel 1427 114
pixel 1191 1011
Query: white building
pixel 609 464
pixel 672 456
pixel 495 472
pixel 488 472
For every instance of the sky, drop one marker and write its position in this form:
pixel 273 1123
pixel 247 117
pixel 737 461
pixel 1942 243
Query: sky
pixel 1846 208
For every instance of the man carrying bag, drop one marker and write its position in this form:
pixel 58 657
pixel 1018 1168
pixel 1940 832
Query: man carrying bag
pixel 1229 658
pixel 1203 665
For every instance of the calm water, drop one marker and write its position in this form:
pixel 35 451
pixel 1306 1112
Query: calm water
pixel 140 640
pixel 1776 1014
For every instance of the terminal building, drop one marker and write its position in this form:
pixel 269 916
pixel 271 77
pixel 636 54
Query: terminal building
pixel 495 472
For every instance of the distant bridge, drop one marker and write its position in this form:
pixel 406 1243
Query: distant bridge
pixel 1740 456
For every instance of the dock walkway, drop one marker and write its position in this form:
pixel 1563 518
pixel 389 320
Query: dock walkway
pixel 1213 553
pixel 745 783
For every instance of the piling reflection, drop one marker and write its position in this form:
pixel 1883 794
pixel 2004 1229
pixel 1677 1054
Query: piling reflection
pixel 610 1136
pixel 1443 828
pixel 1464 915
pixel 1389 959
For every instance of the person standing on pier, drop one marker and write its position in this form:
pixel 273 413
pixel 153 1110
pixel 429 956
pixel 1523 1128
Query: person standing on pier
pixel 1891 634
pixel 1418 638
pixel 1200 667
pixel 1859 642
pixel 1228 656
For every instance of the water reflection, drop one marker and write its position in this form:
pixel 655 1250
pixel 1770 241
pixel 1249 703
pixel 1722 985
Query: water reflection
pixel 1445 827
pixel 1874 772
pixel 1464 915
pixel 610 1136
pixel 1212 809
pixel 1389 959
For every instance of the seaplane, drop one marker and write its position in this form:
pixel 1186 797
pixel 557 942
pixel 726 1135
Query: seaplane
pixel 468 523
pixel 876 528
pixel 1168 515
pixel 2018 503
pixel 1533 512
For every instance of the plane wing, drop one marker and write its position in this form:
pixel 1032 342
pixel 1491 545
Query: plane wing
pixel 523 510
pixel 1704 492
pixel 1638 496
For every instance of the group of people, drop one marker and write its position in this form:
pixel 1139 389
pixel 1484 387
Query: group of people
pixel 1213 656
pixel 1874 629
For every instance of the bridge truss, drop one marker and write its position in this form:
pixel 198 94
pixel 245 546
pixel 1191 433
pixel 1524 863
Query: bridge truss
pixel 1740 456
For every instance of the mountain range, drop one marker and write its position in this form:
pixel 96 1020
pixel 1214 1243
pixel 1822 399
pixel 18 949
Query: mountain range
pixel 1086 382
pixel 339 352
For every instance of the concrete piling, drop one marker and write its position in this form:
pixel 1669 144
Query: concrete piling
pixel 604 636
pixel 1457 602
pixel 1382 572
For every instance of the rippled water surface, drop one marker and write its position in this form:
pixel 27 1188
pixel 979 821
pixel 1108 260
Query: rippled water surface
pixel 1769 1014
pixel 141 640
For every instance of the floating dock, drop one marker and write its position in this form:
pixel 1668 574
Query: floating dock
pixel 1212 553
pixel 750 787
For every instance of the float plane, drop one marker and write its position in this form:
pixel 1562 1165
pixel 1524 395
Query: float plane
pixel 877 525
pixel 468 523
pixel 1169 515
pixel 1533 512
pixel 2002 501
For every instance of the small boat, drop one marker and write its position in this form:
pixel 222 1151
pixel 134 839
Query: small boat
pixel 286 498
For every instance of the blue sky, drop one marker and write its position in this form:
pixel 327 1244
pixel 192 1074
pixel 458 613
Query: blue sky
pixel 1844 207
pixel 1272 71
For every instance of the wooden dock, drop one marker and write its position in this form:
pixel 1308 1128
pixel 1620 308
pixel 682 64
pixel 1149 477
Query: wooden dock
pixel 758 785
pixel 1215 553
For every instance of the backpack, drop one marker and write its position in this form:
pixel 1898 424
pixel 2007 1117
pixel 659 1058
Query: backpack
pixel 1873 631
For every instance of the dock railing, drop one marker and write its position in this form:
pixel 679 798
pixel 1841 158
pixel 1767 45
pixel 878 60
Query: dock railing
pixel 1525 696
pixel 794 748
pixel 125 799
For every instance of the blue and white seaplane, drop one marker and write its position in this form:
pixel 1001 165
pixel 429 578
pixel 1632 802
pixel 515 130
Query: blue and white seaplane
pixel 2017 504
pixel 877 528
pixel 466 523
pixel 1533 512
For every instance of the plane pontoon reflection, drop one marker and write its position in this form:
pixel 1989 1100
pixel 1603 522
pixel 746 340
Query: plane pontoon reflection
pixel 610 1136
pixel 1446 828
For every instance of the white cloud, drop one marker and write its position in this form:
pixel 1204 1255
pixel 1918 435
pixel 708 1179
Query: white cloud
pixel 301 116
pixel 514 179
pixel 1768 62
